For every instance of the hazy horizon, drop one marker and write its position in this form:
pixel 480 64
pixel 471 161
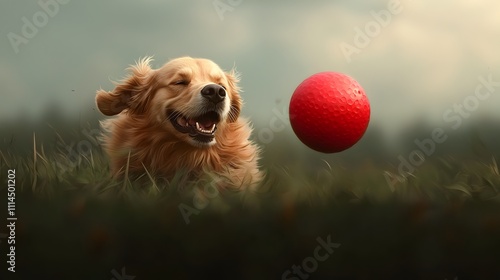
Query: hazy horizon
pixel 416 60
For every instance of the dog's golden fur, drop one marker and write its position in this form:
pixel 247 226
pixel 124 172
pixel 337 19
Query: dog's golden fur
pixel 143 137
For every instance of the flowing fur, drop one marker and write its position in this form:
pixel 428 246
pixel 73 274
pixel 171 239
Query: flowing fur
pixel 141 136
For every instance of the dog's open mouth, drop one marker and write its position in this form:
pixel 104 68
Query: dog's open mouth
pixel 202 128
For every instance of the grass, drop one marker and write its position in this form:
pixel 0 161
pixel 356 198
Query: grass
pixel 438 180
pixel 76 222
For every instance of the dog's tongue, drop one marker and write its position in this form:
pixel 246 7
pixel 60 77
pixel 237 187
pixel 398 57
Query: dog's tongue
pixel 205 124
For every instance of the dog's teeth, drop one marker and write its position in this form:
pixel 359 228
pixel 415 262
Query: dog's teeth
pixel 208 131
pixel 198 127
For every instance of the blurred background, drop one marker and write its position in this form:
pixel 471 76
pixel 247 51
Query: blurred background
pixel 425 65
pixel 417 60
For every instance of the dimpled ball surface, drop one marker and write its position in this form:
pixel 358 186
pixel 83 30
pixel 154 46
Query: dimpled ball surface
pixel 329 112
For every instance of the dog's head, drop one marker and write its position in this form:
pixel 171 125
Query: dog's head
pixel 190 98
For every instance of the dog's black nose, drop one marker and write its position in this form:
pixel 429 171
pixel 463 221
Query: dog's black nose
pixel 214 93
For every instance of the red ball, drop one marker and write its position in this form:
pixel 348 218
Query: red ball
pixel 329 112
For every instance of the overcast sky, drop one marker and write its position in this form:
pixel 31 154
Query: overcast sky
pixel 414 64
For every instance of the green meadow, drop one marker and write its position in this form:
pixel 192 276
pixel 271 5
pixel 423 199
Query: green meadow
pixel 438 219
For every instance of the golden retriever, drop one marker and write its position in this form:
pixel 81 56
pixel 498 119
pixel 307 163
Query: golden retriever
pixel 182 117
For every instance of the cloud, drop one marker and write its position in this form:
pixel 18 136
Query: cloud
pixel 427 58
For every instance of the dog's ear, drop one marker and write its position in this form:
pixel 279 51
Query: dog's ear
pixel 236 102
pixel 132 93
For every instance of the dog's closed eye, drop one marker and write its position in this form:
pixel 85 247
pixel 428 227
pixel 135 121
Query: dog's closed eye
pixel 182 116
pixel 181 82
